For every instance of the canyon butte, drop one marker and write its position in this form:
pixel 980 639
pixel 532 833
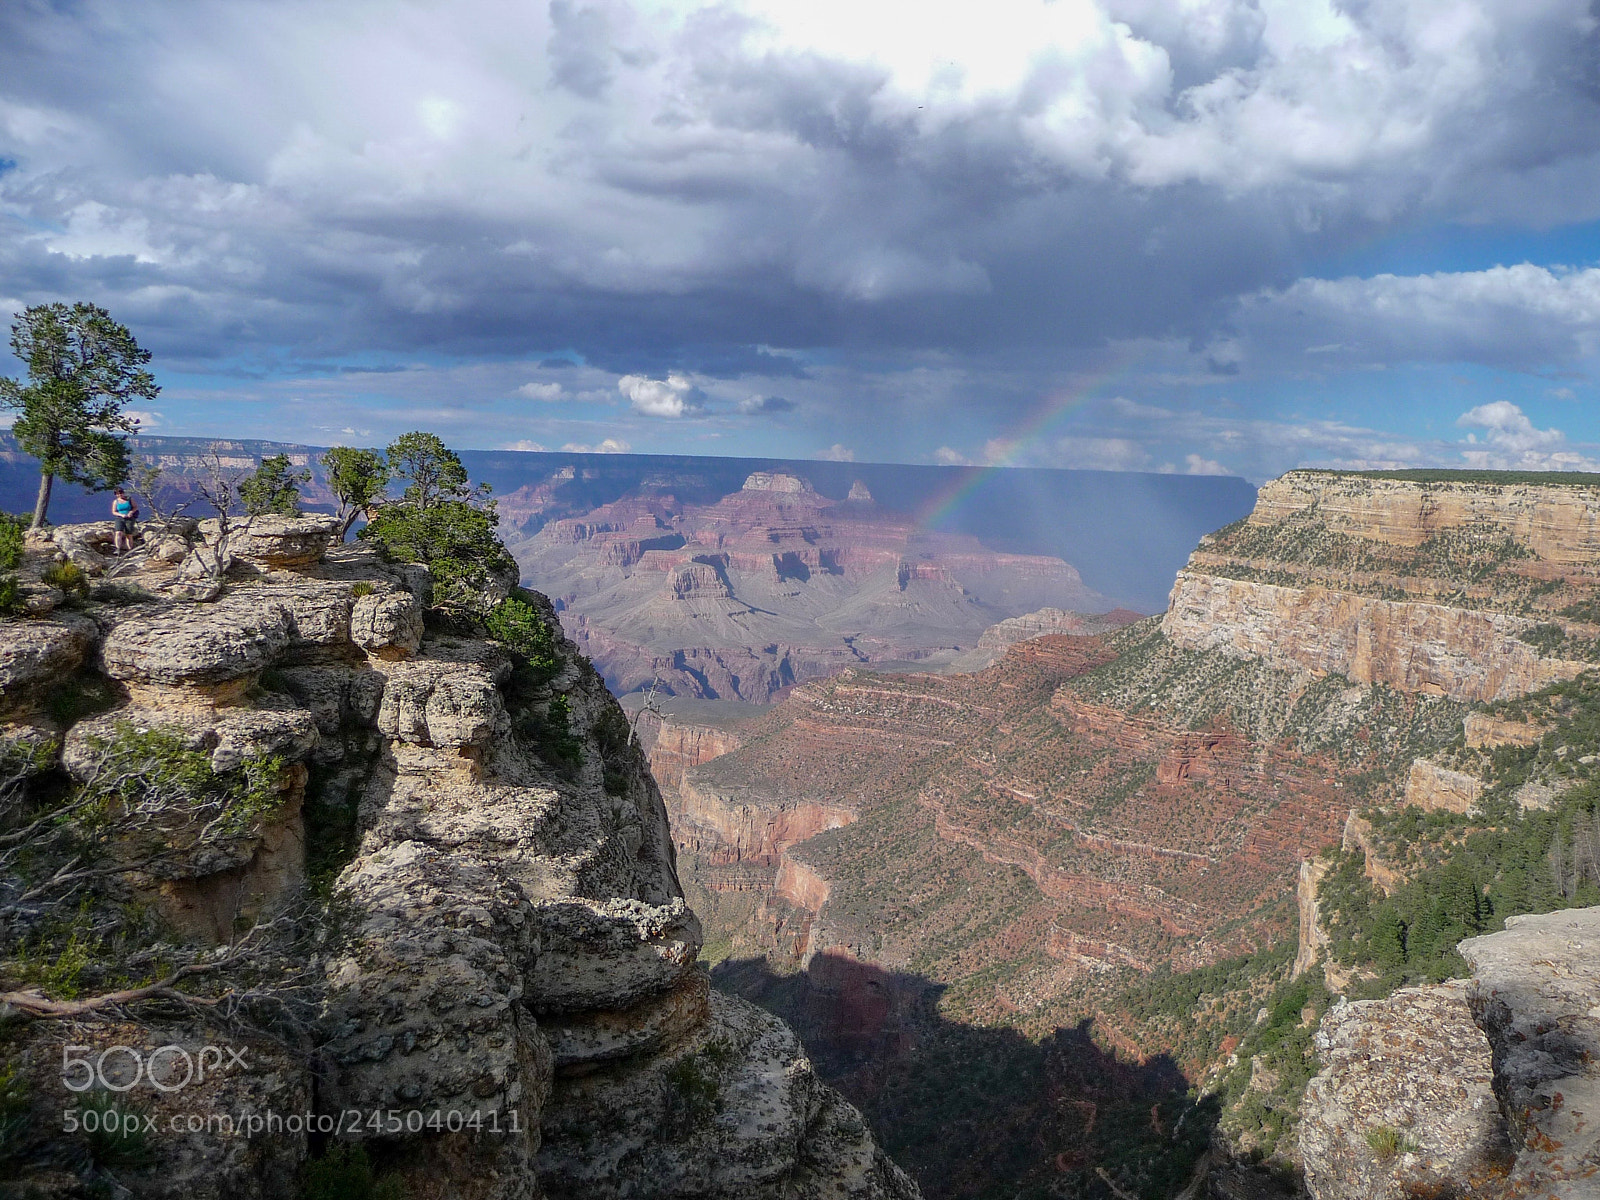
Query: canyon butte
pixel 773 585
pixel 1176 908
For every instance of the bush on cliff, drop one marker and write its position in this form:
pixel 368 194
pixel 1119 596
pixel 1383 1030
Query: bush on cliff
pixel 147 802
pixel 442 522
pixel 11 546
pixel 273 488
pixel 454 539
pixel 526 634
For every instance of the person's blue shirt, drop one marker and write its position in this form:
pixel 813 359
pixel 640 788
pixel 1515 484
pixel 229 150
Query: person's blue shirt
pixel 122 506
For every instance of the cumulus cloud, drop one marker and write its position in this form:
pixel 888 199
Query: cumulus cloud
pixel 674 396
pixel 947 457
pixel 541 391
pixel 1101 454
pixel 1195 464
pixel 523 444
pixel 837 453
pixel 761 406
pixel 1513 441
pixel 609 446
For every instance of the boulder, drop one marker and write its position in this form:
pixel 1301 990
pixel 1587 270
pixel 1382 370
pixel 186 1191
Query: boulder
pixel 271 540
pixel 87 547
pixel 1536 993
pixel 441 704
pixel 611 954
pixel 37 653
pixel 233 638
pixel 387 623
pixel 1403 1105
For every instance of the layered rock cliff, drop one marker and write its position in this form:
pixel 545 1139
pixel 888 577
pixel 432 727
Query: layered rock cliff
pixel 772 585
pixel 1365 719
pixel 1471 590
pixel 490 983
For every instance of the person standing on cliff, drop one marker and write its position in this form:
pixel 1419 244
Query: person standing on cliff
pixel 125 513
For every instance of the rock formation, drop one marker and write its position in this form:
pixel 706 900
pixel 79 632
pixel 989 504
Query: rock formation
pixel 505 939
pixel 1486 1088
pixel 1471 590
pixel 773 585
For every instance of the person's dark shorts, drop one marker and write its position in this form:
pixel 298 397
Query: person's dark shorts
pixel 126 525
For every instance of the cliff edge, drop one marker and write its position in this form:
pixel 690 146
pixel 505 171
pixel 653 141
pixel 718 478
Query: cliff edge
pixel 430 902
pixel 1484 1088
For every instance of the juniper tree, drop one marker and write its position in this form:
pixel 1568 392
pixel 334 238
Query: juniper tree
pixel 83 370
pixel 357 479
pixel 441 520
pixel 273 488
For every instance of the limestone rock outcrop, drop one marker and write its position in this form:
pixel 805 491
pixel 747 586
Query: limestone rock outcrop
pixel 1485 1088
pixel 1465 589
pixel 1430 648
pixel 1536 994
pixel 506 936
pixel 1560 522
pixel 1403 1105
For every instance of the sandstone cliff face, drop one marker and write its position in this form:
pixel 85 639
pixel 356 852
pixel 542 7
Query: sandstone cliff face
pixel 1559 522
pixel 676 746
pixel 508 937
pixel 1472 591
pixel 1485 1088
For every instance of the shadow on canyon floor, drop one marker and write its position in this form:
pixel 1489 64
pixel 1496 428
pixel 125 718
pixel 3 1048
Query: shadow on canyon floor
pixel 978 1113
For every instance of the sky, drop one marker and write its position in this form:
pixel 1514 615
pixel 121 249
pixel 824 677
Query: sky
pixel 1203 236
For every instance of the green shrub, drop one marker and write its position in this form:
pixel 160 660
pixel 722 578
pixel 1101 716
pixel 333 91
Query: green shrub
pixel 1386 1142
pixel 13 532
pixel 273 488
pixel 526 634
pixel 345 1173
pixel 67 577
pixel 693 1091
pixel 153 769
pixel 456 541
pixel 118 1138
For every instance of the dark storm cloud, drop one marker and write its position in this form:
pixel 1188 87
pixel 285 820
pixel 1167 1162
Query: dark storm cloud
pixel 748 190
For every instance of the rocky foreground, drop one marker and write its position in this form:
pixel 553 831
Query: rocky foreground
pixel 502 940
pixel 1482 1088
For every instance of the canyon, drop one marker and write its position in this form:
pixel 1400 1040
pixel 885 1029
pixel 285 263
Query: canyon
pixel 907 866
pixel 772 585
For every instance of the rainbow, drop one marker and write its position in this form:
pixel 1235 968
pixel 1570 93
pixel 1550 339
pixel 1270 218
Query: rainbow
pixel 1031 431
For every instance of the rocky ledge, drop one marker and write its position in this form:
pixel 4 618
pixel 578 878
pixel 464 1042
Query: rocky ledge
pixel 505 935
pixel 1487 1088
